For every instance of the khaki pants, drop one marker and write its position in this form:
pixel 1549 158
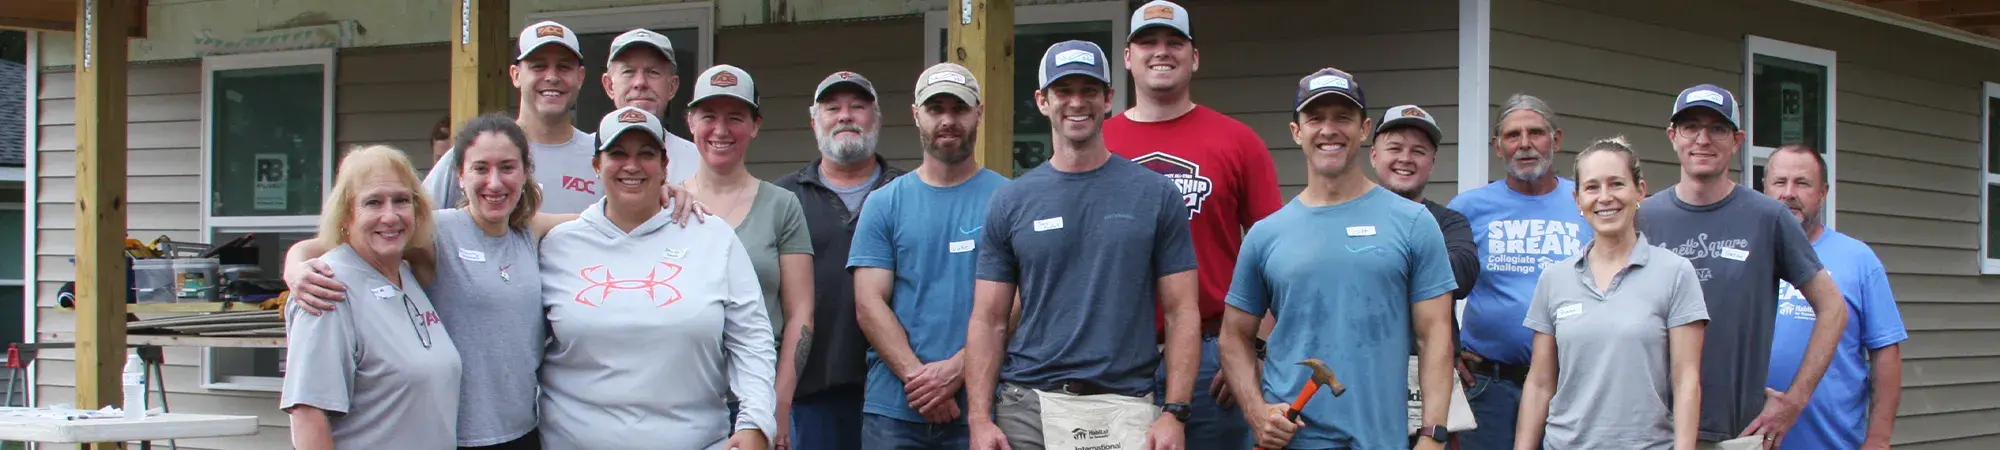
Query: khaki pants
pixel 1742 443
pixel 1018 412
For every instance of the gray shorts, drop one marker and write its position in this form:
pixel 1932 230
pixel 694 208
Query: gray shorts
pixel 1018 412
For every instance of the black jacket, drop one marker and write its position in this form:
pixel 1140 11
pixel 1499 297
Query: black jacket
pixel 1458 240
pixel 839 355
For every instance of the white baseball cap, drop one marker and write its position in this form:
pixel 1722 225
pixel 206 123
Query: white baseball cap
pixel 645 37
pixel 625 120
pixel 1160 13
pixel 544 33
pixel 724 79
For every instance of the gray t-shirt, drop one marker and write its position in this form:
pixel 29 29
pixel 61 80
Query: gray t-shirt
pixel 1740 247
pixel 649 330
pixel 851 196
pixel 1086 250
pixel 775 225
pixel 381 365
pixel 1615 386
pixel 489 293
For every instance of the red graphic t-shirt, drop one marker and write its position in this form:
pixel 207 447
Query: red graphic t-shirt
pixel 1225 174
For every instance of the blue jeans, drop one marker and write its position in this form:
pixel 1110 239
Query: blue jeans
pixel 879 432
pixel 1209 425
pixel 829 420
pixel 1496 404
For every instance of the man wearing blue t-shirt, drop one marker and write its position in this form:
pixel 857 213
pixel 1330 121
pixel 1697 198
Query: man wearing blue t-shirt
pixel 1349 272
pixel 1868 359
pixel 913 262
pixel 1520 225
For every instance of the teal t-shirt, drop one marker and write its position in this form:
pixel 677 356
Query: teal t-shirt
pixel 1340 280
pixel 927 235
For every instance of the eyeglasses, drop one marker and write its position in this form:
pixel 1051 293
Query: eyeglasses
pixel 1688 130
pixel 417 321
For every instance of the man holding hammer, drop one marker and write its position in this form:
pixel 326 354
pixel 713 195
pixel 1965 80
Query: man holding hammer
pixel 1394 278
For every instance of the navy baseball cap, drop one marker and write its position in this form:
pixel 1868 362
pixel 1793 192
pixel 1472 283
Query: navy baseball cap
pixel 1329 81
pixel 1711 97
pixel 1074 58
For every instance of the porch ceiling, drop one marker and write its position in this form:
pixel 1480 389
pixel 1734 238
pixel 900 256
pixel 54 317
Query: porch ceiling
pixel 1981 17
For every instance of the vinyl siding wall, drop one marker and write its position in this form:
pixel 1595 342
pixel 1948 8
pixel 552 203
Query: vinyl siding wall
pixel 1907 168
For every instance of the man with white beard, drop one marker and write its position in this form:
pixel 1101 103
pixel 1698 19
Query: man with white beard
pixel 826 406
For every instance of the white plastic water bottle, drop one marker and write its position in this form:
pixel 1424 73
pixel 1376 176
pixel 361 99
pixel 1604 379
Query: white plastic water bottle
pixel 135 387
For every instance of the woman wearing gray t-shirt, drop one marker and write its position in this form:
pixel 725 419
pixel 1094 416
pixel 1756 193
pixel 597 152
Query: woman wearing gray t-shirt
pixel 1618 328
pixel 382 372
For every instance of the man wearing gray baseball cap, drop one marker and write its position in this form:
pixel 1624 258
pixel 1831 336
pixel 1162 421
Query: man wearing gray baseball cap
pixel 826 408
pixel 1742 243
pixel 1092 241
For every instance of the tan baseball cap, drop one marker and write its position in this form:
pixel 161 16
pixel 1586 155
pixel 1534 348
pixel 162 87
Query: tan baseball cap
pixel 724 79
pixel 948 78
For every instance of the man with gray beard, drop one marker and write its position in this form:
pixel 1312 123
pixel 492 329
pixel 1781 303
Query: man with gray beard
pixel 826 406
pixel 1519 224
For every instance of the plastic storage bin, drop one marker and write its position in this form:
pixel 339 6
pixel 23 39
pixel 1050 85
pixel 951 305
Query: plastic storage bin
pixel 196 279
pixel 153 281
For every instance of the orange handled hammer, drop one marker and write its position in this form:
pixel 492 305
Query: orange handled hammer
pixel 1321 375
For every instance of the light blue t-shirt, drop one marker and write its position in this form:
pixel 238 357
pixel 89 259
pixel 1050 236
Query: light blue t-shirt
pixel 927 235
pixel 1517 235
pixel 1341 280
pixel 1837 415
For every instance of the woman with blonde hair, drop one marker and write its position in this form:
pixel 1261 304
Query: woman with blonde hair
pixel 382 372
pixel 1618 328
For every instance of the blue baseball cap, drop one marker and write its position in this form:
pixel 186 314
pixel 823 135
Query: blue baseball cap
pixel 1074 58
pixel 1329 81
pixel 1711 97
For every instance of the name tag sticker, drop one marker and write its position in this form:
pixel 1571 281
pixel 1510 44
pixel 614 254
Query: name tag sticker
pixel 1569 311
pixel 1363 230
pixel 471 255
pixel 384 291
pixel 1052 223
pixel 675 253
pixel 1735 254
pixel 962 246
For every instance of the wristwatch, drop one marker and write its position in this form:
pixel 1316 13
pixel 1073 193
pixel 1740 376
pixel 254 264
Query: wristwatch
pixel 1435 432
pixel 1180 411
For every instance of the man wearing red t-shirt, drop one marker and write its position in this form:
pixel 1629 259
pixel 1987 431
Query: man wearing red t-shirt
pixel 1225 174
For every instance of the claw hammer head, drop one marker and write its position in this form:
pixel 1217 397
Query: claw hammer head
pixel 1324 376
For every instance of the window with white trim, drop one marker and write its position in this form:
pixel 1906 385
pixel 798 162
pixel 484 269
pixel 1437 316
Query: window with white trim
pixel 268 160
pixel 1989 187
pixel 1788 98
pixel 690 27
pixel 1036 28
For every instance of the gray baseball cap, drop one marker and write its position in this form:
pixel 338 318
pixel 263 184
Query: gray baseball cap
pixel 1160 13
pixel 643 37
pixel 948 78
pixel 844 78
pixel 625 120
pixel 1411 116
pixel 724 79
pixel 1074 58
pixel 544 33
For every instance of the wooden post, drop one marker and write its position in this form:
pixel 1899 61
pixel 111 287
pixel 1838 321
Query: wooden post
pixel 981 38
pixel 480 53
pixel 100 202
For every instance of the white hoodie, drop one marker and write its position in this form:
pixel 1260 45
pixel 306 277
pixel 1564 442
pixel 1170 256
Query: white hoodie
pixel 647 330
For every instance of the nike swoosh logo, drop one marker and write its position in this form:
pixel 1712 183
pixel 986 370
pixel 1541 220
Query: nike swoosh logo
pixel 1351 249
pixel 962 230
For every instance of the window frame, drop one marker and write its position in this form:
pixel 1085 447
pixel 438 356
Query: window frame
pixel 1117 12
pixel 1752 156
pixel 214 377
pixel 1989 177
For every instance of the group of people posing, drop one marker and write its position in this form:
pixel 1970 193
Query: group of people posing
pixel 547 287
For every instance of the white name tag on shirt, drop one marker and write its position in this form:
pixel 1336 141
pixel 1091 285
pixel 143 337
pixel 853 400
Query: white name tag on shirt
pixel 471 255
pixel 1052 223
pixel 1569 311
pixel 1363 230
pixel 1735 254
pixel 384 291
pixel 962 246
pixel 675 253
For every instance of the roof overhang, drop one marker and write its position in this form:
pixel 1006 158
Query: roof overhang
pixel 59 15
pixel 1974 17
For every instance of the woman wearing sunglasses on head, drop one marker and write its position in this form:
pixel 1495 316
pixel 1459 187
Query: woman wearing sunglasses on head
pixel 381 372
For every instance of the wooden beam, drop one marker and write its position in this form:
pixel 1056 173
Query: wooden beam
pixel 60 15
pixel 100 202
pixel 480 54
pixel 982 40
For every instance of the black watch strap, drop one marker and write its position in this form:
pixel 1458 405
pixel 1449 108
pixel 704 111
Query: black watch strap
pixel 1180 411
